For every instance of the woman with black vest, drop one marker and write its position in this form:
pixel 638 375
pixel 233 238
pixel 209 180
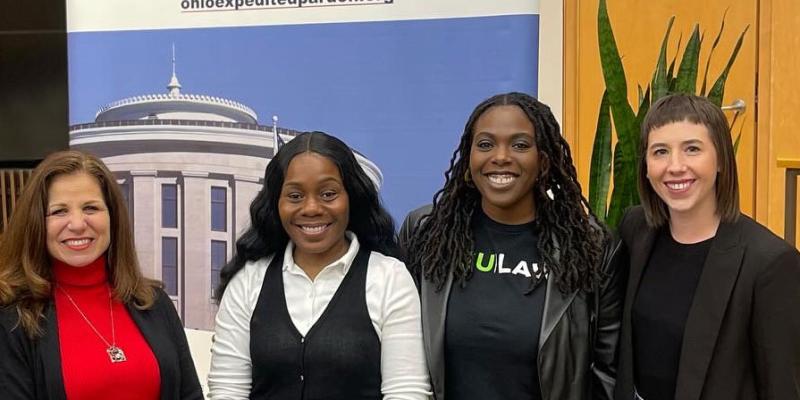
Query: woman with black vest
pixel 313 305
pixel 518 299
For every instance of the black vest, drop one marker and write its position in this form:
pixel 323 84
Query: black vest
pixel 339 358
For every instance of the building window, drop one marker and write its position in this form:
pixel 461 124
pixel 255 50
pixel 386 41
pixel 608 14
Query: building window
pixel 169 264
pixel 169 206
pixel 219 209
pixel 219 255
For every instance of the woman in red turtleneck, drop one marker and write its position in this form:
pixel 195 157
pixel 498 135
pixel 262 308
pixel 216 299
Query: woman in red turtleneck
pixel 79 321
pixel 81 364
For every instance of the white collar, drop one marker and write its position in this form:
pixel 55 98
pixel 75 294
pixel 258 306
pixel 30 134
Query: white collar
pixel 344 262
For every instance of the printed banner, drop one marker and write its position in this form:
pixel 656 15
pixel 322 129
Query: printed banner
pixel 182 99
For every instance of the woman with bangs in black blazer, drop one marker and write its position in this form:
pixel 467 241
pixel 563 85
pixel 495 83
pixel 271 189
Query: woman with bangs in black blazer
pixel 712 309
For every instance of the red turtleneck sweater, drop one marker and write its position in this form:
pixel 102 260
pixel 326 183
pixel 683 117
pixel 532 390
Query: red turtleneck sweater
pixel 87 370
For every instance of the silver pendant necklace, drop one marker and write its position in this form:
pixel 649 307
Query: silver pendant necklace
pixel 115 354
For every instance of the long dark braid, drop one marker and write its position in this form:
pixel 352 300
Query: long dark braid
pixel 570 243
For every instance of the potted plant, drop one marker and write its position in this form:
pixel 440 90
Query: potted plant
pixel 627 123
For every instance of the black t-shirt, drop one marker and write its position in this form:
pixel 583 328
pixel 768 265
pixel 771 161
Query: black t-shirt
pixel 493 321
pixel 660 310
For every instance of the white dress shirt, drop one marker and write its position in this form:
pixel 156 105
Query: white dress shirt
pixel 392 302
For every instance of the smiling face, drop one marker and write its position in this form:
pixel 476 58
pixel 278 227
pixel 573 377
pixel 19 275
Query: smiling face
pixel 78 222
pixel 682 168
pixel 314 209
pixel 504 164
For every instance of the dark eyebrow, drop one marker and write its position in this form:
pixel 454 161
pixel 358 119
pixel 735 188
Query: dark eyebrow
pixel 526 135
pixel 516 135
pixel 323 180
pixel 88 203
pixel 684 143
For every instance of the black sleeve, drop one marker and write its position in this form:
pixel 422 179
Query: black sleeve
pixel 410 225
pixel 609 304
pixel 776 328
pixel 407 231
pixel 16 371
pixel 189 383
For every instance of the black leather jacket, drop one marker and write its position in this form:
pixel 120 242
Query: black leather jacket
pixel 578 339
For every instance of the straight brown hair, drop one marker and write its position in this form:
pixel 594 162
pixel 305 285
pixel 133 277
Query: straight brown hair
pixel 701 111
pixel 25 269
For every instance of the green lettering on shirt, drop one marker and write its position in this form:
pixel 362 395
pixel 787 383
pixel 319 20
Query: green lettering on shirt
pixel 479 260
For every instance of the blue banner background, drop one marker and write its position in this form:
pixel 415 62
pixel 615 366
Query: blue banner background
pixel 398 92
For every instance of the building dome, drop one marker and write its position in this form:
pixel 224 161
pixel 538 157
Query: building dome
pixel 189 167
pixel 177 106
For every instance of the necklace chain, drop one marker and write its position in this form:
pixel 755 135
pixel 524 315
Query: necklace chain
pixel 115 353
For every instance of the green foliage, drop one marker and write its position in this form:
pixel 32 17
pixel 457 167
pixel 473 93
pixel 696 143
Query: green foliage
pixel 601 159
pixel 627 124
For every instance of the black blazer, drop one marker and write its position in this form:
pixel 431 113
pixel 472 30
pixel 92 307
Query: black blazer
pixel 742 334
pixel 577 340
pixel 32 369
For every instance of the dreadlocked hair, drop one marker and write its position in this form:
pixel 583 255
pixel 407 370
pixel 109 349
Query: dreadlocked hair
pixel 570 242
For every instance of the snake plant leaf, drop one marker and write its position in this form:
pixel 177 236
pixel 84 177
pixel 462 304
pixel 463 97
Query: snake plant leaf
pixel 627 125
pixel 640 92
pixel 644 107
pixel 718 90
pixel 711 53
pixel 660 83
pixel 625 193
pixel 610 60
pixel 601 162
pixel 614 77
pixel 670 77
pixel 670 72
pixel 686 80
pixel 621 111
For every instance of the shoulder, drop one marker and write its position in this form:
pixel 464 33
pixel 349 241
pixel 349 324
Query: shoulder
pixel 12 335
pixel 162 300
pixel 9 318
pixel 762 245
pixel 159 311
pixel 413 218
pixel 387 271
pixel 389 288
pixel 418 213
pixel 251 275
pixel 768 262
pixel 632 223
pixel 244 288
pixel 385 265
pixel 753 233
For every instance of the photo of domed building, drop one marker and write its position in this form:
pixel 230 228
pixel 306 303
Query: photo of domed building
pixel 189 166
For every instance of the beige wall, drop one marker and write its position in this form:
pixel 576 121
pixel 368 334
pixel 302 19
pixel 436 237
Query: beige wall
pixel 551 55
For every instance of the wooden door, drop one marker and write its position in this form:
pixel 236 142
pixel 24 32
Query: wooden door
pixel 778 141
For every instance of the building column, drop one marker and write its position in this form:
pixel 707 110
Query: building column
pixel 146 212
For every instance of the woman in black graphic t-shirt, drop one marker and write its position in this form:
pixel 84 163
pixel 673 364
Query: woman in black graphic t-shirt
pixel 518 301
